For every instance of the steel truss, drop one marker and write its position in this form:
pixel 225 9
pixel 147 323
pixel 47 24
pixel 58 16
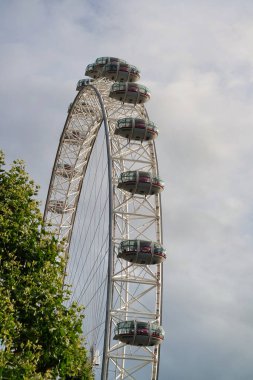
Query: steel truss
pixel 134 291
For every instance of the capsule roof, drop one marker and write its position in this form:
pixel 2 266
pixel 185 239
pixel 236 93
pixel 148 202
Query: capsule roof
pixel 101 61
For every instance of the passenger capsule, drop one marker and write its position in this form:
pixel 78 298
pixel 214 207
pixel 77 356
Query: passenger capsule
pixel 121 72
pixel 129 92
pixel 138 182
pixel 92 70
pixel 136 129
pixel 73 136
pixel 57 206
pixel 137 333
pixel 141 252
pixel 95 357
pixel 102 61
pixel 82 83
pixel 65 170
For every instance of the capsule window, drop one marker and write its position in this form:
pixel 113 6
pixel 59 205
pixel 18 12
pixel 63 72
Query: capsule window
pixel 101 60
pixel 144 175
pixel 132 244
pixel 129 176
pixel 145 246
pixel 125 327
pixel 142 325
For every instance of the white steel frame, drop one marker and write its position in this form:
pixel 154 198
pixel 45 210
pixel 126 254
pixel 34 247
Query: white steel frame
pixel 134 291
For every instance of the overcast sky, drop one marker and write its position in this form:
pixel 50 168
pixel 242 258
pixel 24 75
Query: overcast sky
pixel 196 57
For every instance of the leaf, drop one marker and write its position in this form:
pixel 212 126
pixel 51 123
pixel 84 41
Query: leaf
pixel 41 337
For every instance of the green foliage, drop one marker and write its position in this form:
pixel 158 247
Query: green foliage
pixel 40 338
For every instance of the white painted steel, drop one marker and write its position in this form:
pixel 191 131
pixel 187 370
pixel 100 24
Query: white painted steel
pixel 136 289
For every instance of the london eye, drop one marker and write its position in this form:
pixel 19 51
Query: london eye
pixel 104 203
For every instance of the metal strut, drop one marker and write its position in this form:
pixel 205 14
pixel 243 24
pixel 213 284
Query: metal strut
pixel 110 251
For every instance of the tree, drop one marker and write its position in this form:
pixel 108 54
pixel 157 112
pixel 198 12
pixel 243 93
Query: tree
pixel 40 338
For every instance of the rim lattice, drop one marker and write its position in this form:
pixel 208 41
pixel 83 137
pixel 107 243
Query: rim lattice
pixel 133 291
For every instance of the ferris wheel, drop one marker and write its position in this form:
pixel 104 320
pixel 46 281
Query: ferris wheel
pixel 104 202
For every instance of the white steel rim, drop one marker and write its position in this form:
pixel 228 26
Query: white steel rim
pixel 135 291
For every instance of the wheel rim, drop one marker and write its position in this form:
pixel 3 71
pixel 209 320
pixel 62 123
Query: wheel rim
pixel 132 291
